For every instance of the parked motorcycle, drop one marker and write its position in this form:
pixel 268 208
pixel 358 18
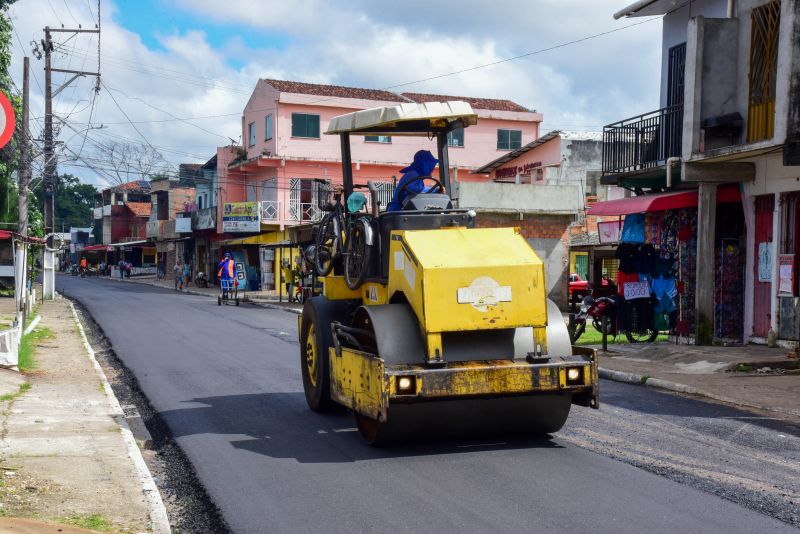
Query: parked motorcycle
pixel 201 279
pixel 594 310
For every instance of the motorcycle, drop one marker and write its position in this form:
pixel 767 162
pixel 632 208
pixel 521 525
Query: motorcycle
pixel 594 310
pixel 201 280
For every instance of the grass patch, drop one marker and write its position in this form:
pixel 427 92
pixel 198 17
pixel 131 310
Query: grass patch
pixel 644 379
pixel 91 522
pixel 592 337
pixel 744 368
pixel 27 348
pixel 11 396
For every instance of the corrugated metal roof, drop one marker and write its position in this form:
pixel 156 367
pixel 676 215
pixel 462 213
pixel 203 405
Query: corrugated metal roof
pixel 514 154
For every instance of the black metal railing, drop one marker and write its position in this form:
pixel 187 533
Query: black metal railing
pixel 644 141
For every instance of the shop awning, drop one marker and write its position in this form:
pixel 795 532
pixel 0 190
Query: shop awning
pixel 131 243
pixel 660 202
pixel 270 238
pixel 104 248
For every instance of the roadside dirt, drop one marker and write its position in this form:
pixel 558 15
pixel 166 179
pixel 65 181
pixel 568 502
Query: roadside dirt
pixel 189 508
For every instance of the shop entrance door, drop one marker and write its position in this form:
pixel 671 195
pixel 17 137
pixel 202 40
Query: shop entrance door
pixel 762 289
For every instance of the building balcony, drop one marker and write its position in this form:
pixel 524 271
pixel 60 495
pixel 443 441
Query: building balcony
pixel 153 229
pixel 270 211
pixel 642 143
pixel 304 212
pixel 204 219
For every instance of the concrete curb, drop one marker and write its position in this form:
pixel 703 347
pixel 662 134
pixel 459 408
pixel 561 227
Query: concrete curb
pixel 657 383
pixel 158 512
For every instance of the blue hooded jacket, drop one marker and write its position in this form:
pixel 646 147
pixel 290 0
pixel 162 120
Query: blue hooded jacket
pixel 423 165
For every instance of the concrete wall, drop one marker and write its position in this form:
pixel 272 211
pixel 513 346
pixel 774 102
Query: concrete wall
pixel 674 31
pixel 491 196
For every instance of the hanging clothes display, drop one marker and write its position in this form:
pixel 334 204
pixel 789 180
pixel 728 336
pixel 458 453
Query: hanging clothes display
pixel 633 229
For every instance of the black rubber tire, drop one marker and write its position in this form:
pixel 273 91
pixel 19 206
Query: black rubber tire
pixel 599 327
pixel 580 328
pixel 328 244
pixel 319 313
pixel 358 256
pixel 651 337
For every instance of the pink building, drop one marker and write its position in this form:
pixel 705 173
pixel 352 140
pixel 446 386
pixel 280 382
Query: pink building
pixel 285 149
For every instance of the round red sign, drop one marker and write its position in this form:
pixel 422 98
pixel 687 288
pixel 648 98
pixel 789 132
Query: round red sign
pixel 6 120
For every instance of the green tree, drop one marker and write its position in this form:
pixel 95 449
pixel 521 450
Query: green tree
pixel 74 202
pixel 9 155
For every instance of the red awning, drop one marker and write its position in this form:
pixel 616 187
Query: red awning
pixel 5 234
pixel 660 202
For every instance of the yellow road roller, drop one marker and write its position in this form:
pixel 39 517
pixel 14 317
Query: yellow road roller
pixel 427 324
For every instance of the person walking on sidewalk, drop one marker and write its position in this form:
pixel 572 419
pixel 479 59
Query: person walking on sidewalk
pixel 177 271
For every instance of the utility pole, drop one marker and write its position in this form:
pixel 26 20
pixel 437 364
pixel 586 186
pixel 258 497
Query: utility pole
pixel 21 260
pixel 50 163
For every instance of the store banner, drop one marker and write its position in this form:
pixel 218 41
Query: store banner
pixel 609 231
pixel 240 217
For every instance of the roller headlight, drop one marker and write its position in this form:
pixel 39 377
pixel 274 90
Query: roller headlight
pixel 406 385
pixel 574 375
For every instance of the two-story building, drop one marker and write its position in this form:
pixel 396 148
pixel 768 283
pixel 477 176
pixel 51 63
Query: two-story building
pixel 121 212
pixel 286 157
pixel 720 156
pixel 170 225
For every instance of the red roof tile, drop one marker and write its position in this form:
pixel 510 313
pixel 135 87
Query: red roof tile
pixel 336 91
pixel 476 103
pixel 140 209
pixel 136 185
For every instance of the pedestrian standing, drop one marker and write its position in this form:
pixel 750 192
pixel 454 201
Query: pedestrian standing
pixel 121 265
pixel 187 274
pixel 177 271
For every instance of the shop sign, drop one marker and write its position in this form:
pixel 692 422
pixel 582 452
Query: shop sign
pixel 609 231
pixel 510 172
pixel 183 225
pixel 240 217
pixel 636 290
pixel 786 275
pixel 765 262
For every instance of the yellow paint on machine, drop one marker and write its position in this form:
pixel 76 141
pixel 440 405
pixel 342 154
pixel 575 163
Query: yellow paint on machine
pixel 357 382
pixel 473 279
pixel 362 382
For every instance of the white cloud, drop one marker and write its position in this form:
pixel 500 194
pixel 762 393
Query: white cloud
pixel 359 42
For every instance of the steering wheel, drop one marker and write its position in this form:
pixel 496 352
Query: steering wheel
pixel 437 187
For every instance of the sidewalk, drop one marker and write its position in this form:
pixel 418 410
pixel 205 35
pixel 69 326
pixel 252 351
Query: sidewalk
pixel 750 376
pixel 66 455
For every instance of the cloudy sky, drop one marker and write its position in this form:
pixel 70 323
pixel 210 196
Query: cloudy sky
pixel 164 60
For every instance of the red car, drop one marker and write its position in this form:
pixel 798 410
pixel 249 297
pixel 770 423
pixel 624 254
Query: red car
pixel 578 285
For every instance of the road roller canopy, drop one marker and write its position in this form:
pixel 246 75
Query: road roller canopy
pixel 406 119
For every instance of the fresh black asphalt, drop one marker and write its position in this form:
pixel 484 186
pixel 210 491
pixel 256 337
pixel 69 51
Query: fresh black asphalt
pixel 226 381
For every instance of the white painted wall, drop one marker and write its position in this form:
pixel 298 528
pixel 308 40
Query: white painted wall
pixel 529 198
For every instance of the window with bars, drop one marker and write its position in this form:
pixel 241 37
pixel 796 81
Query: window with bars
pixel 765 23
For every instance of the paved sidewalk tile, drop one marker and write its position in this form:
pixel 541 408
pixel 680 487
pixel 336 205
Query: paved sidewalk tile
pixel 63 455
pixel 712 372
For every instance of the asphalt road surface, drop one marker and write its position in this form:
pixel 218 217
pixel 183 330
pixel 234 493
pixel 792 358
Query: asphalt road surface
pixel 226 381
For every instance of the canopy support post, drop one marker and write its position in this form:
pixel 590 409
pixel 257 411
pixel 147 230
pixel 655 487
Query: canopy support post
pixel 444 162
pixel 347 165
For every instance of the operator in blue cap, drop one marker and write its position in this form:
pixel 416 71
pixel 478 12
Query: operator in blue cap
pixel 422 166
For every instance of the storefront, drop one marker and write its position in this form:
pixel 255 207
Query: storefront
pixel 657 262
pixel 261 257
